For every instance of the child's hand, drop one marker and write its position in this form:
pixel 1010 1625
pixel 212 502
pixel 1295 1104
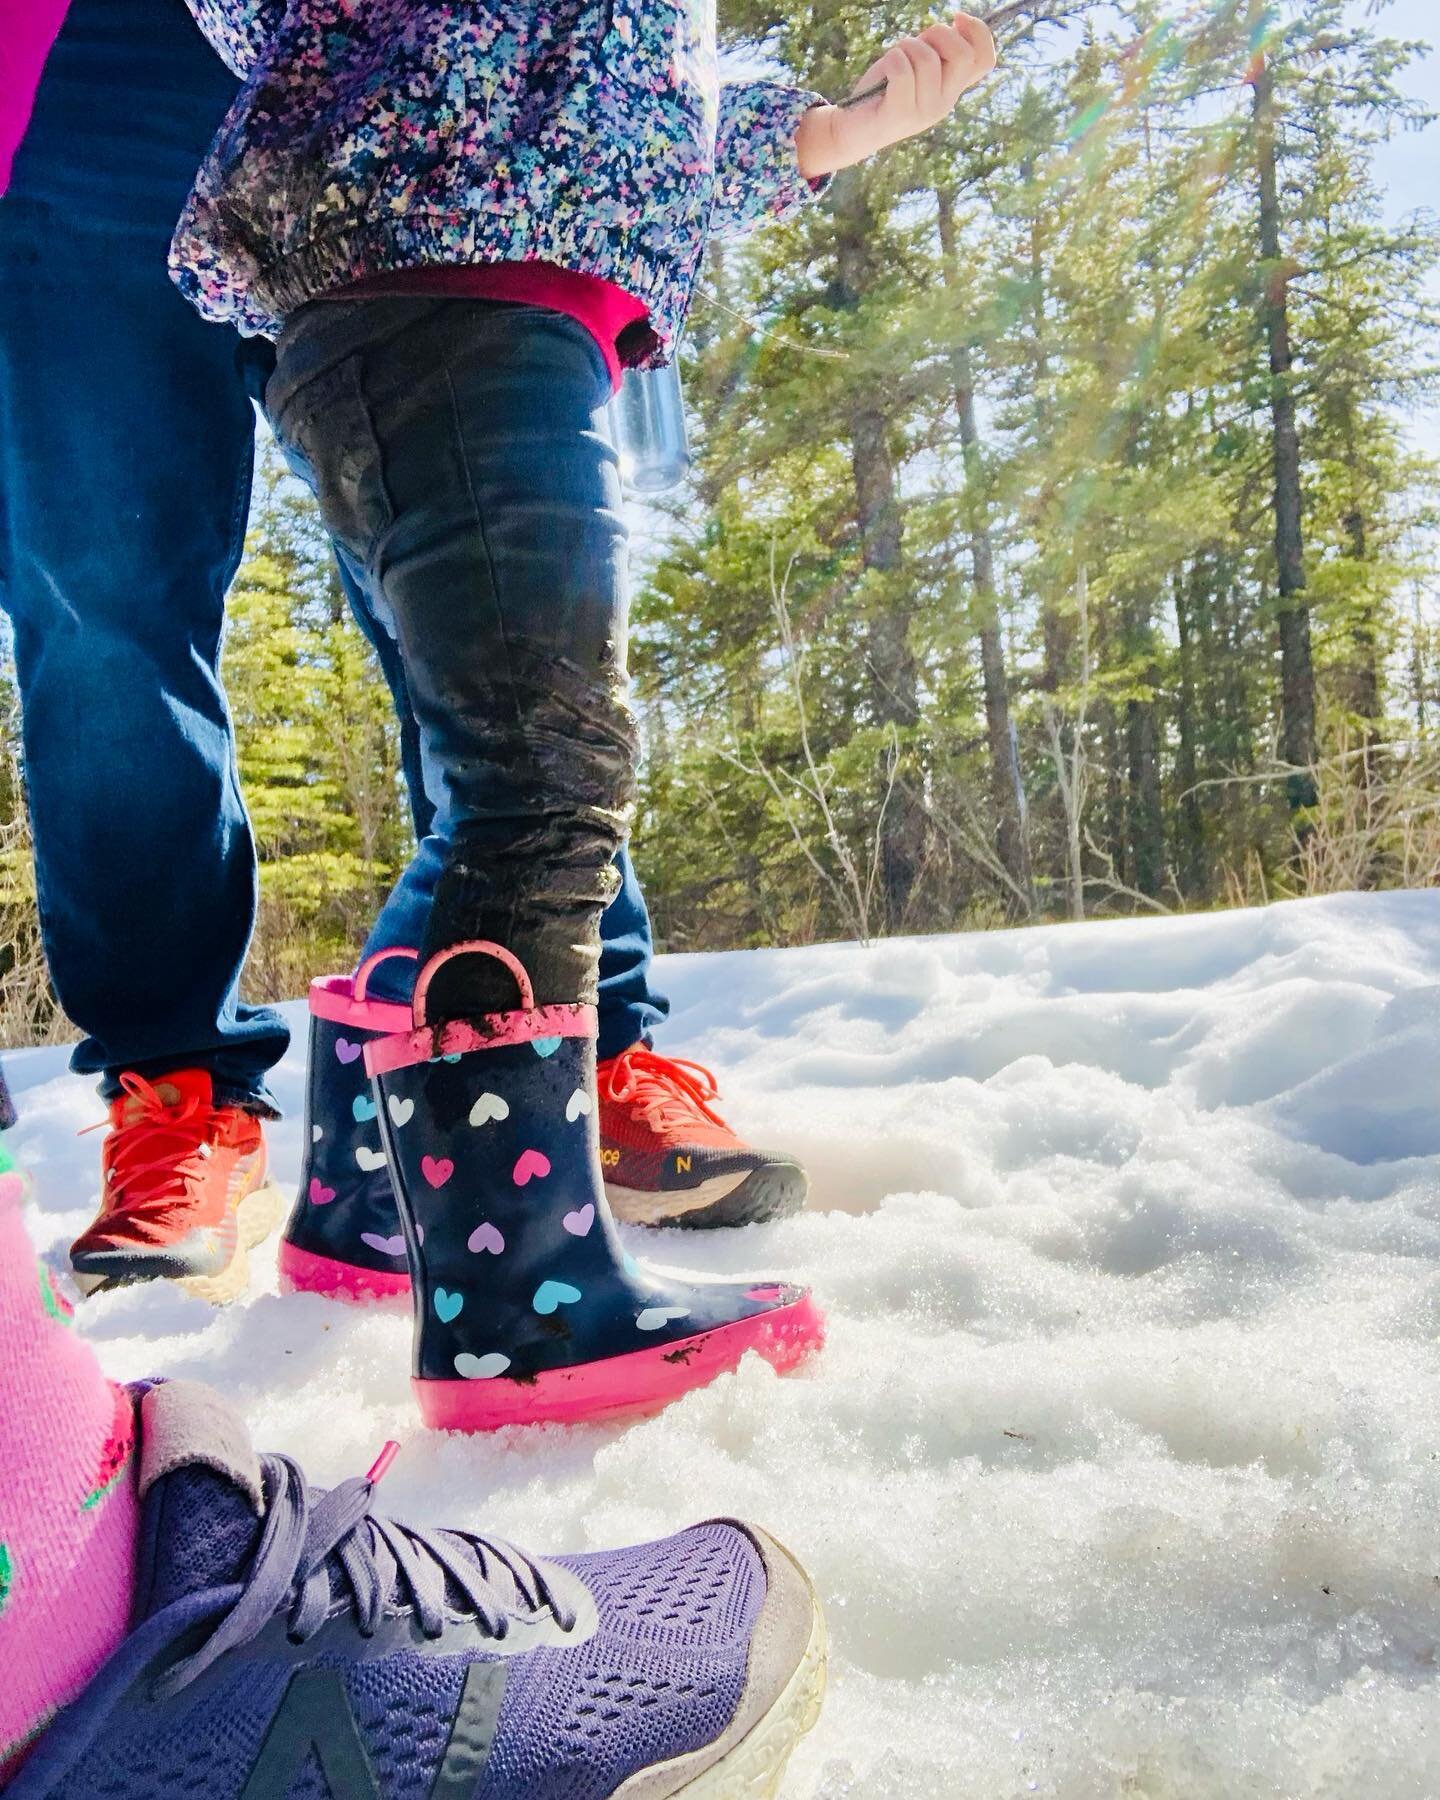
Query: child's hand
pixel 923 78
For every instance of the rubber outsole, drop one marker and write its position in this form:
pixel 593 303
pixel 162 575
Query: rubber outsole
pixel 754 1769
pixel 773 1191
pixel 623 1387
pixel 256 1216
pixel 303 1272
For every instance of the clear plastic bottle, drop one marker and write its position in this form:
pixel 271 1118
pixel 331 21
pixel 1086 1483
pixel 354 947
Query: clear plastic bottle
pixel 649 413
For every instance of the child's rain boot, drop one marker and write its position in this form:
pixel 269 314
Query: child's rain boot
pixel 343 1237
pixel 527 1307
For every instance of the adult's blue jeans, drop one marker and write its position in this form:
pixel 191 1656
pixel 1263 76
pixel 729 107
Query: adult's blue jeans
pixel 125 460
pixel 126 437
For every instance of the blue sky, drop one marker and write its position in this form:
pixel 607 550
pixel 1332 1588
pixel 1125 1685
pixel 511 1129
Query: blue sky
pixel 1409 168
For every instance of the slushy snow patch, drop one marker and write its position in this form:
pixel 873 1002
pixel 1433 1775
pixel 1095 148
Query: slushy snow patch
pixel 1121 1472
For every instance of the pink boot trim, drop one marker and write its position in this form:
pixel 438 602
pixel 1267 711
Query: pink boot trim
pixel 642 1382
pixel 302 1272
pixel 345 999
pixel 489 1032
pixel 332 997
pixel 425 1043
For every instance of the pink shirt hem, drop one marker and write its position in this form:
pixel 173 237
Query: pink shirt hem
pixel 602 308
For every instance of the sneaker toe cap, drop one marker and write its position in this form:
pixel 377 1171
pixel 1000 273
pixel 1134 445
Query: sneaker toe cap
pixel 780 1699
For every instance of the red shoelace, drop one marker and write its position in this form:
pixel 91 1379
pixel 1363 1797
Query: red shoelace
pixel 665 1091
pixel 146 1156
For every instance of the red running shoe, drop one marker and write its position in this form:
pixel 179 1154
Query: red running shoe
pixel 184 1191
pixel 670 1159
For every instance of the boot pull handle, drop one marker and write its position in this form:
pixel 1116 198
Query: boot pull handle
pixel 472 947
pixel 362 974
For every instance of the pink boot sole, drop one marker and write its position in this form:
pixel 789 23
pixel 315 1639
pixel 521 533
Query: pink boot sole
pixel 640 1383
pixel 302 1272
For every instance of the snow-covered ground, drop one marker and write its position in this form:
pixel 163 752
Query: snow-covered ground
pixel 1121 1473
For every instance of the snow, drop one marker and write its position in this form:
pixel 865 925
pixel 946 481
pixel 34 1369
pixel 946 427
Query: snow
pixel 1121 1472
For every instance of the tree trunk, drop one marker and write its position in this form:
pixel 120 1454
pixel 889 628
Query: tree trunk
pixel 1145 817
pixel 1190 846
pixel 1007 789
pixel 890 662
pixel 1297 673
pixel 1054 627
pixel 1117 839
pixel 1364 696
pixel 1234 743
pixel 1147 834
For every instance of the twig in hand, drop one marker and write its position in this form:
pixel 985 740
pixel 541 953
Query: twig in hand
pixel 1014 9
pixel 1000 17
pixel 875 88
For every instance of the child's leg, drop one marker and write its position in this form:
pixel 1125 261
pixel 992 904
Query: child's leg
pixel 460 459
pixel 68 1513
pixel 460 454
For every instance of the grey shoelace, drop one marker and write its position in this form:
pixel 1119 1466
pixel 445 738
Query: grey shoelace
pixel 310 1554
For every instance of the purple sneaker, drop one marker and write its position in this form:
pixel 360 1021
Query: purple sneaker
pixel 291 1644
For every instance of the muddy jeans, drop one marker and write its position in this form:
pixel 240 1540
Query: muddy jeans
pixel 460 455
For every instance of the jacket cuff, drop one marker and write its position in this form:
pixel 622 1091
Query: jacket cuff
pixel 757 173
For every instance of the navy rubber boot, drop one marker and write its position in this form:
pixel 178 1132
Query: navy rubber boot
pixel 528 1307
pixel 343 1238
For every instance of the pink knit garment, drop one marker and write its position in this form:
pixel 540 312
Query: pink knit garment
pixel 69 1517
pixel 27 30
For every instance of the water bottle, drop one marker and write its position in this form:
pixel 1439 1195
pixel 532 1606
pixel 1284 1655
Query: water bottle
pixel 650 434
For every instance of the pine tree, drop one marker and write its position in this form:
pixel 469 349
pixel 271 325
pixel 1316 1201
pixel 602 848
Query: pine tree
pixel 317 744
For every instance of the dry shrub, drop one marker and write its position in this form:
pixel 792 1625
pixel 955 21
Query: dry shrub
pixel 29 1011
pixel 1375 825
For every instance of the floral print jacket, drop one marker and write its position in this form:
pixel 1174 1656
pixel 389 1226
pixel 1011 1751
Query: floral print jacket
pixel 377 135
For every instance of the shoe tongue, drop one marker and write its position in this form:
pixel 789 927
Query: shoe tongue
pixel 173 1089
pixel 203 1501
pixel 201 1491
